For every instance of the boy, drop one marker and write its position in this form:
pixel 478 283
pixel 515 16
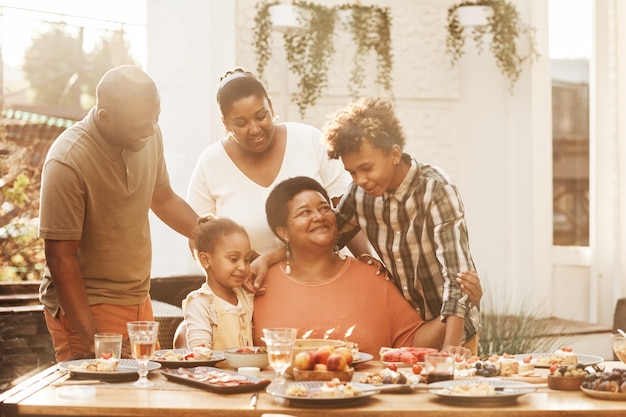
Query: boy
pixel 412 214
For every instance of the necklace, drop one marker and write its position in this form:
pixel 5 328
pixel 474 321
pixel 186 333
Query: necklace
pixel 291 277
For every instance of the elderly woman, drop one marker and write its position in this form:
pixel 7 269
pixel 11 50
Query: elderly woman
pixel 317 289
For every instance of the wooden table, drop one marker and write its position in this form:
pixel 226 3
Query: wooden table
pixel 36 396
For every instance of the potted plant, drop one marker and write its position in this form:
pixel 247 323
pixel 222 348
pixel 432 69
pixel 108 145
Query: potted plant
pixel 309 51
pixel 506 30
pixel 262 34
pixel 370 27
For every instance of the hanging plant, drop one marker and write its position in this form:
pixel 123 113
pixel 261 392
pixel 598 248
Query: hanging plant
pixel 370 30
pixel 262 35
pixel 309 52
pixel 506 29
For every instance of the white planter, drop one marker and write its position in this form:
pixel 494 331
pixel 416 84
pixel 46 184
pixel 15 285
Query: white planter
pixel 287 18
pixel 344 16
pixel 470 16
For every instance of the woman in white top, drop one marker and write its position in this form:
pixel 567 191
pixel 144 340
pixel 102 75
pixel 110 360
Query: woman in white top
pixel 234 176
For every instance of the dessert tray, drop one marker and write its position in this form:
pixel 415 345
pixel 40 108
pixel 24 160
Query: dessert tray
pixel 216 356
pixel 126 370
pixel 585 360
pixel 214 379
pixel 363 357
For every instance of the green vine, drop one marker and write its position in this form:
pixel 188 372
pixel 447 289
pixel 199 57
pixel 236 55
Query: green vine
pixel 263 35
pixel 370 30
pixel 506 29
pixel 309 53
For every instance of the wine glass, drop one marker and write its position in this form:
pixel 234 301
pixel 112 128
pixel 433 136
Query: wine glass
pixel 279 342
pixel 143 336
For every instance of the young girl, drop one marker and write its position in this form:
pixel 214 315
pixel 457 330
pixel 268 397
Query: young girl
pixel 219 313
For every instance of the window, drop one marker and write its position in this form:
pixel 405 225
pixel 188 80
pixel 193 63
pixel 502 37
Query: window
pixel 570 23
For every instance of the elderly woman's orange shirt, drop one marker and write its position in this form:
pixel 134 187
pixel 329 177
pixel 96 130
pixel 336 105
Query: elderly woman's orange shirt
pixel 355 297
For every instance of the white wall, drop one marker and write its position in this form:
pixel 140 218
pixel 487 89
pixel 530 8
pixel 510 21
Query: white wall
pixel 495 145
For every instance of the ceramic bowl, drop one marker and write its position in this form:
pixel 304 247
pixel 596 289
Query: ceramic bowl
pixel 618 343
pixel 238 357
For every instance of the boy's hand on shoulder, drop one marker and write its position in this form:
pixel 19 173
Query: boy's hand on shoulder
pixel 371 260
pixel 470 285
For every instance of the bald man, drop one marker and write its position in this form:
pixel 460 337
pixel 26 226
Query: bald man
pixel 100 179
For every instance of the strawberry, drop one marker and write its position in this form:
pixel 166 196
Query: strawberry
pixel 392 366
pixel 554 367
pixel 417 368
pixel 527 359
pixel 189 356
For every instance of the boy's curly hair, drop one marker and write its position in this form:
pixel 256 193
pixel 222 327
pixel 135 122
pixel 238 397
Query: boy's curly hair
pixel 368 119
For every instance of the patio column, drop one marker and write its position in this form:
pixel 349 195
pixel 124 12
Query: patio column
pixel 190 44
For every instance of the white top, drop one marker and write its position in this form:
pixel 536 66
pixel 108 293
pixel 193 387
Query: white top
pixel 218 186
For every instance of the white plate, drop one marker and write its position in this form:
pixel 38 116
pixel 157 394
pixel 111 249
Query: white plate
pixel 510 391
pixel 404 365
pixel 363 357
pixel 126 370
pixel 604 395
pixel 216 356
pixel 585 360
pixel 279 391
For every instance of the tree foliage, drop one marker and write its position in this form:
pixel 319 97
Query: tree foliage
pixel 21 251
pixel 61 72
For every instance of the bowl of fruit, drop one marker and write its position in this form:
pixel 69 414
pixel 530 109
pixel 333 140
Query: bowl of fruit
pixel 238 357
pixel 324 363
pixel 618 343
pixel 566 377
pixel 303 345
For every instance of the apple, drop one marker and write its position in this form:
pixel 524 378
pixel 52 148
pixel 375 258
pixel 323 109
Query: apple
pixel 322 353
pixel 320 367
pixel 336 362
pixel 304 361
pixel 347 353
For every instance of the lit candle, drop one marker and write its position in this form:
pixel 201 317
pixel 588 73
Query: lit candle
pixel 328 333
pixel 348 332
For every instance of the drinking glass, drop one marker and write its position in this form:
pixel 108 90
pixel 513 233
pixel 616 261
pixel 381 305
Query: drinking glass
pixel 439 367
pixel 106 344
pixel 279 342
pixel 143 336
